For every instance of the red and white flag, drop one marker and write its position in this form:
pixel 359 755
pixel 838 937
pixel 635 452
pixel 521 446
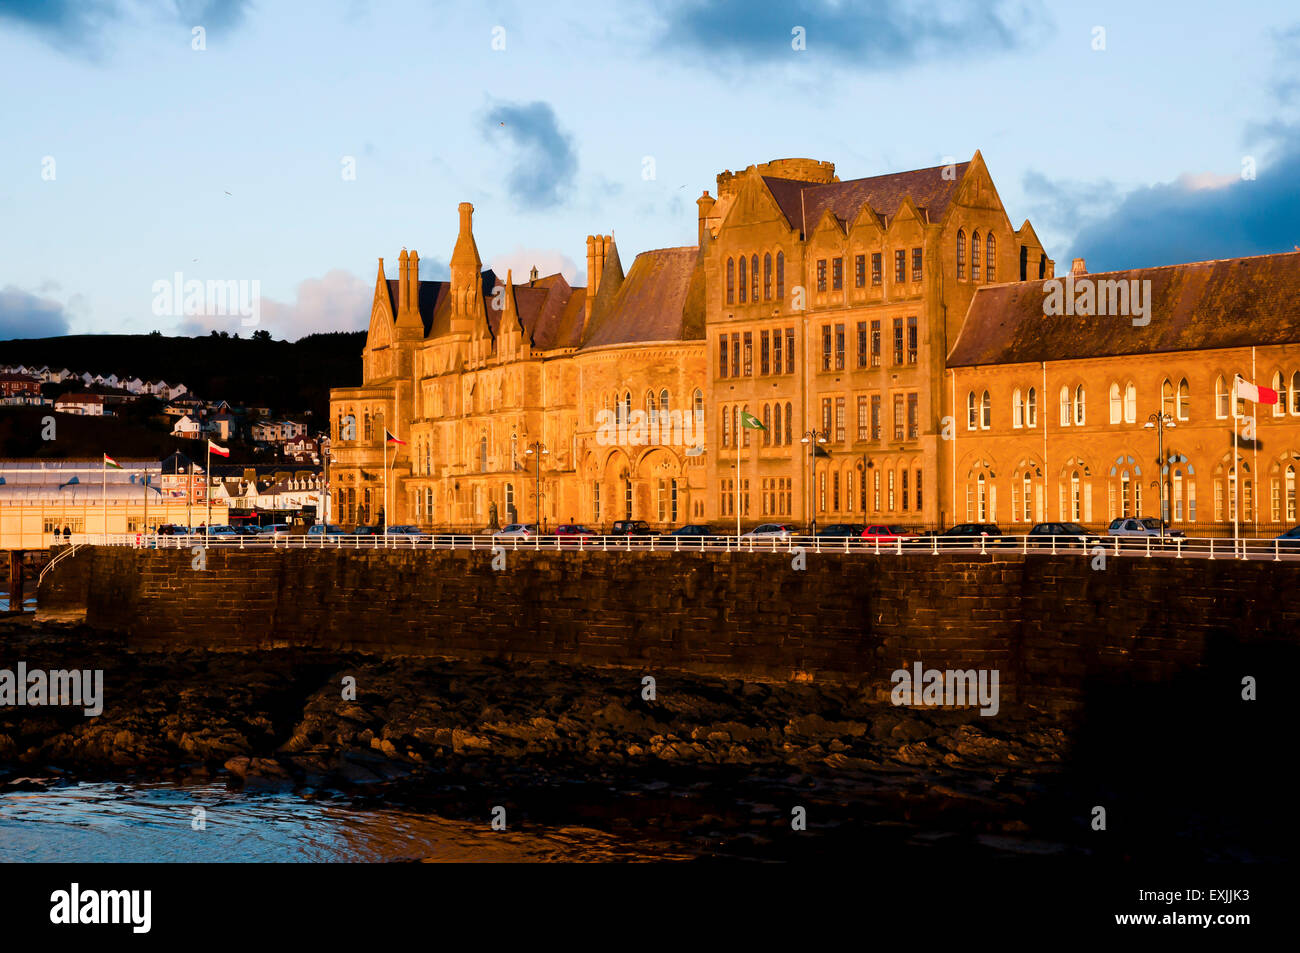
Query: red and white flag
pixel 1259 395
pixel 219 451
pixel 393 438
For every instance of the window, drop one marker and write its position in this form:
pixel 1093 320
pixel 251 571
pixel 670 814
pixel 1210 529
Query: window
pixel 1167 397
pixel 753 278
pixel 767 425
pixel 1024 263
pixel 821 274
pixel 1116 405
pixel 913 417
pixel 864 419
pixel 722 355
pixel 990 255
pixel 1295 392
pixel 860 271
pixel 875 420
pixel 789 425
pixel 974 259
pixel 776 351
pixel 876 269
pixel 1078 405
pixel 862 344
pixel 1220 398
pixel 839 419
pixel 837 274
pixel 961 257
pixel 826 347
pixel 827 408
pixel 744 283
pixel 776 426
pixel 1184 399
pixel 875 343
pixel 749 353
pixel 898 416
pixel 839 347
pixel 780 275
pixel 1031 409
pixel 911 340
pixel 742 432
pixel 789 350
pixel 1017 410
pixel 898 340
pixel 663 402
pixel 916 264
pixel 972 412
pixel 731 281
pixel 764 352
pixel 1130 404
pixel 1279 385
pixel 767 277
pixel 726 427
pixel 900 266
pixel 1065 406
pixel 902 485
pixel 986 411
pixel 735 355
pixel 697 403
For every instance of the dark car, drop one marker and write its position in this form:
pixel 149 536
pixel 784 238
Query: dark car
pixel 1066 535
pixel 368 531
pixel 975 533
pixel 631 528
pixel 243 529
pixel 173 529
pixel 839 530
pixel 692 534
pixel 1290 539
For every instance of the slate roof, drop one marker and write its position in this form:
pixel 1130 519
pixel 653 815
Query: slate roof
pixel 661 299
pixel 1206 305
pixel 803 203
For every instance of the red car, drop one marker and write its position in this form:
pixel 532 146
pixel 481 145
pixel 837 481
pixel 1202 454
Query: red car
pixel 888 534
pixel 574 534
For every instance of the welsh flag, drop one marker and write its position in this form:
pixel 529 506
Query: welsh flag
pixel 219 451
pixel 110 462
pixel 749 420
pixel 1254 393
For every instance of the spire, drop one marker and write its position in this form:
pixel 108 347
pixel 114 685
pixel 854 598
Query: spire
pixel 510 314
pixel 466 280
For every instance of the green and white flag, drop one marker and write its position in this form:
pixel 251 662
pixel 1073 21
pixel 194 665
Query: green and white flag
pixel 749 420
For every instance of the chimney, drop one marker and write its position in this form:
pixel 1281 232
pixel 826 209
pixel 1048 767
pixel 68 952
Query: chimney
pixel 706 203
pixel 413 281
pixel 532 275
pixel 1078 268
pixel 401 281
pixel 595 265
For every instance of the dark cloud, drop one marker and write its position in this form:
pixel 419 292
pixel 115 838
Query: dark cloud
pixel 24 315
pixel 1195 218
pixel 79 24
pixel 543 157
pixel 869 34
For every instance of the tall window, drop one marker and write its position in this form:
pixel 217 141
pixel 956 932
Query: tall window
pixel 972 412
pixel 875 343
pixel 731 281
pixel 898 340
pixel 789 424
pixel 722 355
pixel 1221 398
pixel 877 269
pixel 913 417
pixel 697 401
pixel 826 347
pixel 1279 385
pixel 1167 397
pixel 961 255
pixel 1079 405
pixel 753 278
pixel 1031 409
pixel 864 419
pixel 1184 399
pixel 767 276
pixel 789 350
pixel 776 424
pixel 726 427
pixel 821 274
pixel 1065 406
pixel 916 264
pixel 1295 392
pixel 839 347
pixel 990 256
pixel 898 417
pixel 1116 404
pixel 900 266
pixel 744 284
pixel 1017 409
pixel 749 353
pixel 1130 403
pixel 780 275
pixel 975 256
pixel 767 425
pixel 875 421
pixel 862 344
pixel 911 340
pixel 839 420
pixel 765 352
pixel 860 271
pixel 837 274
pixel 986 411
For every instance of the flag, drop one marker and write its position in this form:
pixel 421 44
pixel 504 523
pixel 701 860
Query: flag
pixel 110 462
pixel 749 420
pixel 219 451
pixel 392 439
pixel 1258 395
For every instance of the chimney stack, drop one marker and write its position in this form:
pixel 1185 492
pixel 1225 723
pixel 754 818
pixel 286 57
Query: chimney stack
pixel 595 265
pixel 706 203
pixel 1078 268
pixel 413 281
pixel 402 276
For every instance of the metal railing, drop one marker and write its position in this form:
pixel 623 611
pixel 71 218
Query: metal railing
pixel 57 558
pixel 1205 547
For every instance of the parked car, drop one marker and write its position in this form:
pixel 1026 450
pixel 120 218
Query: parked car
pixel 881 532
pixel 770 531
pixel 367 531
pixel 1140 526
pixel 631 528
pixel 174 529
pixel 839 530
pixel 1067 535
pixel 975 533
pixel 245 529
pixel 574 534
pixel 220 530
pixel 517 529
pixel 404 530
pixel 329 530
pixel 277 529
pixel 1290 539
pixel 692 534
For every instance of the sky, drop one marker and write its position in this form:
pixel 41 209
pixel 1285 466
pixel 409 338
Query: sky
pixel 287 146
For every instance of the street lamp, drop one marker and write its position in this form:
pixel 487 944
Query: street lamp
pixel 812 438
pixel 1160 423
pixel 536 448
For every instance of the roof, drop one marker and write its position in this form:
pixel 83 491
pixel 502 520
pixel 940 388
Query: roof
pixel 803 203
pixel 1207 305
pixel 661 299
pixel 81 399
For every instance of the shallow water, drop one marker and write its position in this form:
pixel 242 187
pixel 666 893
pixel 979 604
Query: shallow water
pixel 154 823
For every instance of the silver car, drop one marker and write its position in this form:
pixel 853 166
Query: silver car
pixel 1138 526
pixel 769 531
pixel 517 529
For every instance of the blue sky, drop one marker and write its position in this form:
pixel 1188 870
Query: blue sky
pixel 227 163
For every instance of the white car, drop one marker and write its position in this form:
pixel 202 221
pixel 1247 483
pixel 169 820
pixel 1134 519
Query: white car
pixel 770 531
pixel 517 529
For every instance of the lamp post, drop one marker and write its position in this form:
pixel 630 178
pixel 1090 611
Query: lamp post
pixel 1160 423
pixel 812 438
pixel 537 449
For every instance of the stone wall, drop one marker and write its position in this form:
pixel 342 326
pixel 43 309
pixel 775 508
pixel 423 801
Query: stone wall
pixel 1053 627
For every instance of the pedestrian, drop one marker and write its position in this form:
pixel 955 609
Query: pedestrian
pixel 67 533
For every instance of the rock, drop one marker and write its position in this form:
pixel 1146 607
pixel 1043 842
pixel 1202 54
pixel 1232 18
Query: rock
pixel 238 766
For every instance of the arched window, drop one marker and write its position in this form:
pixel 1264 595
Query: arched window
pixel 625 406
pixel 975 256
pixel 972 414
pixel 986 411
pixel 1130 403
pixel 367 430
pixel 744 282
pixel 1031 409
pixel 1116 404
pixel 726 427
pixel 651 406
pixel 1177 492
pixel 767 277
pixel 743 431
pixel 1295 393
pixel 1076 496
pixel 1184 399
pixel 1289 498
pixel 1079 405
pixel 990 256
pixel 1279 385
pixel 731 281
pixel 777 434
pixel 767 424
pixel 663 401
pixel 1017 410
pixel 1065 406
pixel 780 275
pixel 1221 398
pixel 1167 397
pixel 753 278
pixel 789 425
pixel 961 254
pixel 981 498
pixel 482 454
pixel 697 402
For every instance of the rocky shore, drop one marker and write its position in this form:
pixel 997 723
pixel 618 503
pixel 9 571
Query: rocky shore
pixel 722 767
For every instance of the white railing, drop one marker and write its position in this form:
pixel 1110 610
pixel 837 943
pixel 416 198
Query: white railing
pixel 1092 545
pixel 57 558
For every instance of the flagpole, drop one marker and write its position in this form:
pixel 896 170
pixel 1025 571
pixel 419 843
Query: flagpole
pixel 104 496
pixel 738 439
pixel 1236 475
pixel 207 480
pixel 385 476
